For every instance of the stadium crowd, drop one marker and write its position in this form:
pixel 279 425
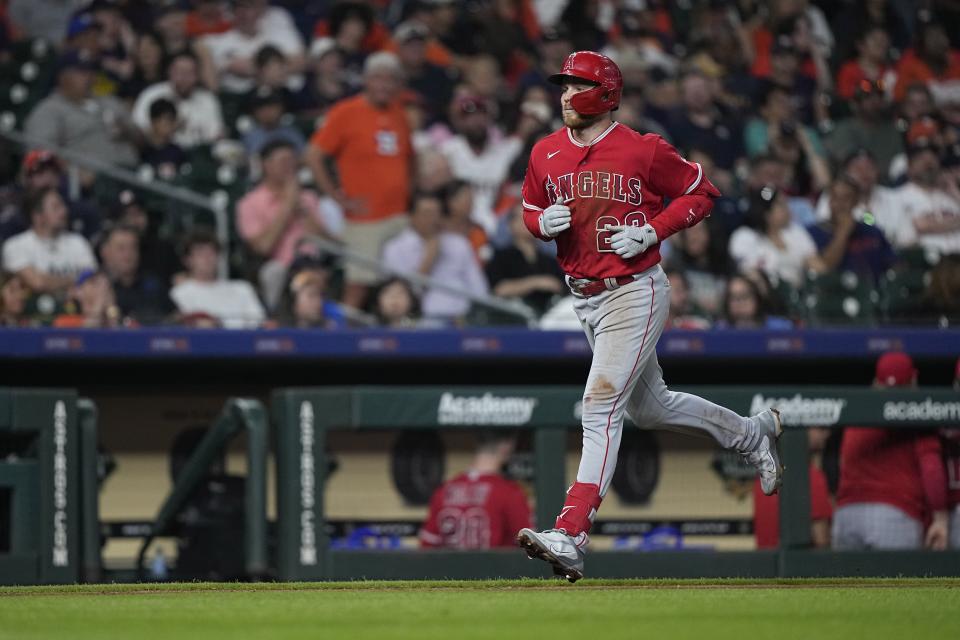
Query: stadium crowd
pixel 401 129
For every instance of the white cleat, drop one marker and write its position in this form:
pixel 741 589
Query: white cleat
pixel 766 457
pixel 557 548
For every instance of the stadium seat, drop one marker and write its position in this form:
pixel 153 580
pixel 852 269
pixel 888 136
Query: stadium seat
pixel 902 292
pixel 841 298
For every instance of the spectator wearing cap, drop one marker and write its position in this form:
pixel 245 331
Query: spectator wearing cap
pixel 425 249
pixel 367 137
pixel 870 127
pixel 776 131
pixel 47 256
pixel 870 65
pixel 523 272
pixel 233 303
pixel 307 306
pixel 232 53
pixel 933 62
pixel 200 119
pixel 47 19
pixel 208 17
pixel 138 294
pixel 14 294
pixel 43 170
pixel 878 205
pixel 91 303
pixel 481 153
pixel 277 215
pixel 848 245
pixel 70 117
pixel 929 204
pixel 267 109
pixel 83 35
pixel 160 151
pixel 433 82
pixel 891 481
pixel 771 242
pixel 700 121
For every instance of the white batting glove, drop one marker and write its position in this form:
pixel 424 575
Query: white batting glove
pixel 555 219
pixel 630 241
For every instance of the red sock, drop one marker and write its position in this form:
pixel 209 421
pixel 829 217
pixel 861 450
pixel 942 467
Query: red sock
pixel 581 505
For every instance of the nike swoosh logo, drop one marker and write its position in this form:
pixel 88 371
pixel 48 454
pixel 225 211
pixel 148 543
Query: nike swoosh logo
pixel 550 155
pixel 563 511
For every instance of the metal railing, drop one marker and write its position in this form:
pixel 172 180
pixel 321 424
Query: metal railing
pixel 179 194
pixel 503 305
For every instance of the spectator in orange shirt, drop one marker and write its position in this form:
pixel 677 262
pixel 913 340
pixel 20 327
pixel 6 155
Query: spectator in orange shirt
pixel 479 509
pixel 766 509
pixel 873 48
pixel 368 139
pixel 932 62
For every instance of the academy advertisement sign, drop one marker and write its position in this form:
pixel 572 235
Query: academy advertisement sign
pixel 800 410
pixel 485 409
pixel 921 410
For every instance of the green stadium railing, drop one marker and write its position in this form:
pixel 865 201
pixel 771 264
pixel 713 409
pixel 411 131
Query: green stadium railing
pixel 238 416
pixel 303 416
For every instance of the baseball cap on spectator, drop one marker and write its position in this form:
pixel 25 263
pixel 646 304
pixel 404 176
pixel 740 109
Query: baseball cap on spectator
pixel 380 62
pixel 86 275
pixel 80 24
pixel 922 129
pixel 895 369
pixel 263 96
pixel 38 160
pixel 76 60
pixel 409 31
pixel 321 47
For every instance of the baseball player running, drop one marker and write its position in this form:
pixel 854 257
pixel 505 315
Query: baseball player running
pixel 597 188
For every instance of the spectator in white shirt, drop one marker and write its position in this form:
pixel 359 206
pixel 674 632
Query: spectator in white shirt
pixel 772 243
pixel 878 204
pixel 233 302
pixel 201 121
pixel 480 154
pixel 426 249
pixel 233 52
pixel 47 256
pixel 929 205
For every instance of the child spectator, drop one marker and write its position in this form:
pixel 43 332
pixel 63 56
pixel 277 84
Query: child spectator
pixel 160 151
pixel 395 304
pixel 308 306
pixel 233 303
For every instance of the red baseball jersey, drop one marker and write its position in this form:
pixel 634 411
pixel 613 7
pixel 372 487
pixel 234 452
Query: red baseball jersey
pixel 951 457
pixel 476 511
pixel 900 468
pixel 766 509
pixel 621 178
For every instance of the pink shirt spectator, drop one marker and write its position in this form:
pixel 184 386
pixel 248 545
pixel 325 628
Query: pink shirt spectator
pixel 259 207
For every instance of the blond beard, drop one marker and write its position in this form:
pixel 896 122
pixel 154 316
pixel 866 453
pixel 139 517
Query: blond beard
pixel 577 121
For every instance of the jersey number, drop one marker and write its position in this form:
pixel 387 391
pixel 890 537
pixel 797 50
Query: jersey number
pixel 634 218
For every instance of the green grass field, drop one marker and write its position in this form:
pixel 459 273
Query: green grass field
pixel 530 609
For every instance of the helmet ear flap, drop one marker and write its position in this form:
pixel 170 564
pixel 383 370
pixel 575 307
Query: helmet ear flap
pixel 592 101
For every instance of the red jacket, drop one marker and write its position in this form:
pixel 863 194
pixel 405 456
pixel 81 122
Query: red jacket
pixel 897 467
pixel 766 509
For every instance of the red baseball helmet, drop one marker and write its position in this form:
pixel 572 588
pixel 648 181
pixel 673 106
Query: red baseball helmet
pixel 601 71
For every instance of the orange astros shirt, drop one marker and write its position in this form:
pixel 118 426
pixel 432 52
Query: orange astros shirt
pixel 372 151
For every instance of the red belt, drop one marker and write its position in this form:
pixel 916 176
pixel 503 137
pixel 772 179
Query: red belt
pixel 586 288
